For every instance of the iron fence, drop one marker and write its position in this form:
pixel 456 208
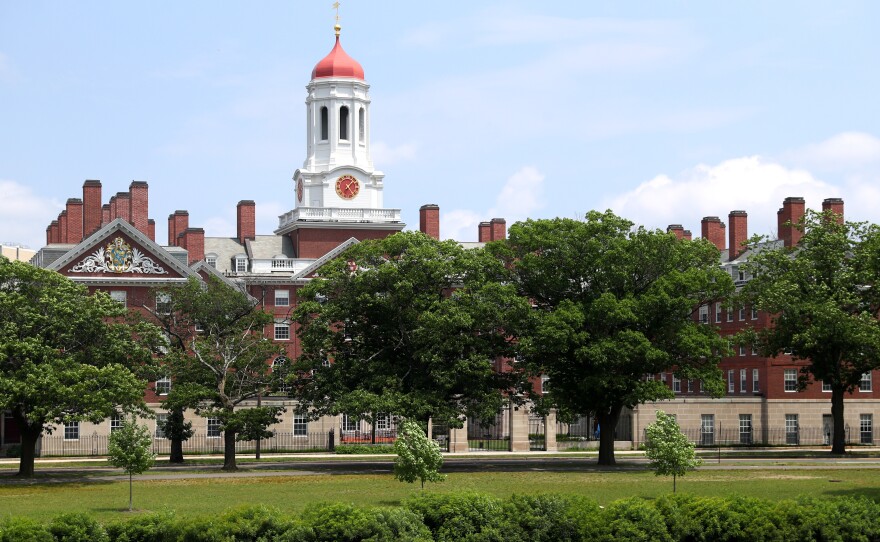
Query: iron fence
pixel 771 436
pixel 537 435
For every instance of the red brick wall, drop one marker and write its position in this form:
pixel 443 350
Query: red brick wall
pixel 105 214
pixel 123 206
pixel 484 232
pixel 194 242
pixel 835 205
pixel 314 243
pixel 499 229
pixel 177 224
pixel 739 232
pixel 712 229
pixel 677 229
pixel 151 229
pixel 429 220
pixel 74 220
pixel 792 211
pixel 62 226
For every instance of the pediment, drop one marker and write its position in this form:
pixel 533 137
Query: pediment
pixel 119 253
pixel 309 272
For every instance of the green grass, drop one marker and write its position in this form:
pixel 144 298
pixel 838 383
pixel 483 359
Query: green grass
pixel 108 500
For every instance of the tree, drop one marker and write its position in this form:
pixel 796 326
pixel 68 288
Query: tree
pixel 823 297
pixel 223 361
pixel 65 355
pixel 407 325
pixel 613 304
pixel 129 450
pixel 668 450
pixel 418 457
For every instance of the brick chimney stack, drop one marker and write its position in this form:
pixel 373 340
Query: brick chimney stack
pixel 138 210
pixel 499 229
pixel 739 233
pixel 62 226
pixel 688 235
pixel 792 211
pixel 194 242
pixel 123 206
pixel 713 231
pixel 835 205
pixel 53 232
pixel 91 207
pixel 246 220
pixel 74 211
pixel 105 214
pixel 484 232
pixel 429 220
pixel 677 229
pixel 151 229
pixel 178 222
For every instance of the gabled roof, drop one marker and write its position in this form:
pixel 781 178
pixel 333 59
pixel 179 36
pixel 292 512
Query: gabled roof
pixel 320 262
pixel 202 269
pixel 150 265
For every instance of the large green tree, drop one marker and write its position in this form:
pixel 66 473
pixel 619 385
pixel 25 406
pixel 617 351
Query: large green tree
pixel 65 355
pixel 407 325
pixel 823 297
pixel 614 304
pixel 220 359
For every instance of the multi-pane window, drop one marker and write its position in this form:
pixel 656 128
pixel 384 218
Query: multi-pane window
pixel 704 314
pixel 690 386
pixel 240 265
pixel 707 429
pixel 754 313
pixel 743 384
pixel 789 377
pixel 662 377
pixel 115 422
pixel 119 296
pixel 350 424
pixel 163 386
pixel 676 384
pixel 756 381
pixel 71 430
pixel 280 370
pixel 745 428
pixel 754 350
pixel 742 314
pixel 211 260
pixel 282 332
pixel 160 425
pixel 383 421
pixel 163 303
pixel 213 429
pixel 826 386
pixel 791 429
pixel 865 384
pixel 742 350
pixel 300 425
pixel 282 298
pixel 544 380
pixel 866 428
pixel 717 313
pixel 731 384
pixel 730 314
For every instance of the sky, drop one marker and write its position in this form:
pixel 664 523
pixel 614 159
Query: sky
pixel 662 111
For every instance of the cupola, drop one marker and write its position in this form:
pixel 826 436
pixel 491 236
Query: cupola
pixel 338 64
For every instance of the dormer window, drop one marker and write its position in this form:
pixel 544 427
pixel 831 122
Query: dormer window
pixel 211 259
pixel 241 263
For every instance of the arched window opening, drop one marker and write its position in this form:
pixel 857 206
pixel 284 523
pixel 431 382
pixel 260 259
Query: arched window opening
pixel 362 125
pixel 343 122
pixel 325 124
pixel 281 370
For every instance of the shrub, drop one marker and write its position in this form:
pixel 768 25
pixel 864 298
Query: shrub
pixel 720 519
pixel 363 449
pixel 77 527
pixel 156 527
pixel 334 522
pixel 548 518
pixel 628 519
pixel 14 451
pixel 23 530
pixel 255 523
pixel 460 516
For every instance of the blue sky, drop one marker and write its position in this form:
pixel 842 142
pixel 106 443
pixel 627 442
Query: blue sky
pixel 663 111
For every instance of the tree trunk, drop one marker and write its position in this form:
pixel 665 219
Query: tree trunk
pixel 176 452
pixel 29 436
pixel 673 482
pixel 838 436
pixel 607 425
pixel 130 500
pixel 229 450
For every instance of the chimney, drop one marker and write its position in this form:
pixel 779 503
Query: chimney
pixel 112 209
pixel 688 235
pixel 194 242
pixel 738 234
pixel 713 231
pixel 74 220
pixel 91 207
pixel 177 223
pixel 106 213
pixel 62 227
pixel 49 234
pixel 677 229
pixel 836 206
pixel 138 204
pixel 151 229
pixel 484 231
pixel 123 206
pixel 791 213
pixel 54 237
pixel 429 220
pixel 246 213
pixel 499 229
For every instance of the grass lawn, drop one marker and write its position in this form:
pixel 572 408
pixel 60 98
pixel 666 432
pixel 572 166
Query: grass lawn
pixel 109 500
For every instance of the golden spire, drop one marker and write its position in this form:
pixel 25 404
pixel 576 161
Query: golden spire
pixel 336 27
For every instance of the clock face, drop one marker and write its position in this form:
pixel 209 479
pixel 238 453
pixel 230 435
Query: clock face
pixel 347 187
pixel 299 190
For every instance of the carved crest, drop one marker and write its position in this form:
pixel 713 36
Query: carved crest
pixel 118 257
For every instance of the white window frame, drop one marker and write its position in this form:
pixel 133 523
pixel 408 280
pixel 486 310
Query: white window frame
pixel 115 422
pixel 754 313
pixel 383 421
pixel 866 384
pixel 159 434
pixel 690 387
pixel 282 298
pixel 282 332
pixel 742 350
pixel 731 383
pixel 163 386
pixel 350 424
pixel 212 428
pixel 742 314
pixel 281 363
pixel 300 425
pixel 792 429
pixel 241 264
pixel 544 380
pixel 718 313
pixel 789 380
pixel 730 314
pixel 866 428
pixel 743 381
pixel 707 429
pixel 745 428
pixel 704 314
pixel 676 384
pixel 826 387
pixel 119 296
pixel 163 303
pixel 756 381
pixel 71 430
pixel 211 259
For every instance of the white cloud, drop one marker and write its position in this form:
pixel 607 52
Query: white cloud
pixel 384 154
pixel 750 183
pixel 842 152
pixel 521 195
pixel 24 215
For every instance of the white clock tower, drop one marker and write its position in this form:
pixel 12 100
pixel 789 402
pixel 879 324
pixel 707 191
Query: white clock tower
pixel 337 184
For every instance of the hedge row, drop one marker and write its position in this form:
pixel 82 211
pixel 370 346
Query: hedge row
pixel 475 517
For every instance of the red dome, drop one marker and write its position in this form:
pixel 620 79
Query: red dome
pixel 338 64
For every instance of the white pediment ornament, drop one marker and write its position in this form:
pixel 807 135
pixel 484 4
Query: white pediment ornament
pixel 118 257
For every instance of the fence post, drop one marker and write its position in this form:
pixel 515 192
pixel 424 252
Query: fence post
pixel 331 442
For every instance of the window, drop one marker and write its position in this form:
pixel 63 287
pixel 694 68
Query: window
pixel 300 425
pixel 742 350
pixel 754 313
pixel 325 124
pixel 362 125
pixel 213 427
pixel 211 259
pixel 383 422
pixel 119 296
pixel 163 303
pixel 690 386
pixel 160 425
pixel 742 381
pixel 826 386
pixel 662 377
pixel 115 422
pixel 350 423
pixel 544 380
pixel 865 384
pixel 163 386
pixel 866 428
pixel 71 430
pixel 731 385
pixel 707 429
pixel 741 276
pixel 756 382
pixel 704 314
pixel 279 368
pixel 282 298
pixel 790 379
pixel 754 350
pixel 676 384
pixel 282 332
pixel 717 313
pixel 791 429
pixel 241 264
pixel 343 122
pixel 730 314
pixel 745 428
